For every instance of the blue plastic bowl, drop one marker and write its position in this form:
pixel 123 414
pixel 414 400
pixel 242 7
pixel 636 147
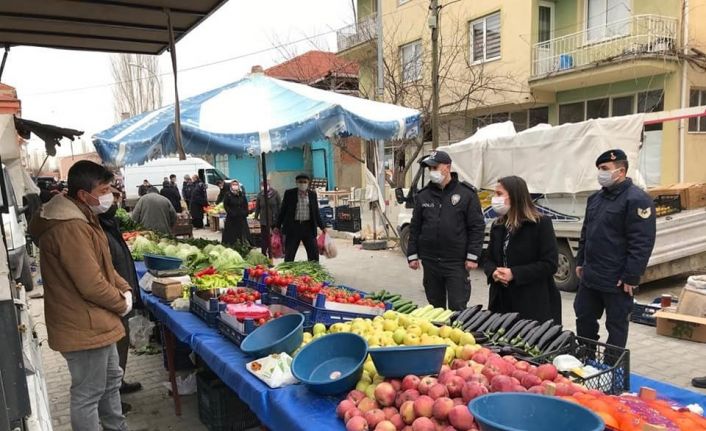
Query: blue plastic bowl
pixel 403 360
pixel 531 412
pixel 284 334
pixel 161 263
pixel 331 364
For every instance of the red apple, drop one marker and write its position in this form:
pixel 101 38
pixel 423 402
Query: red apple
pixel 547 372
pixel 458 363
pixel 479 357
pixel 374 417
pixel 343 407
pixel 357 423
pixel 389 412
pixel 511 359
pixel 438 391
pixel 501 383
pixel 465 373
pixel 367 404
pixel 425 384
pixel 356 396
pixel 519 374
pixel 455 386
pixel 530 380
pixel 461 418
pixel 407 412
pixel 423 406
pixel 472 390
pixel 442 407
pixel 385 426
pixel 397 421
pixel 519 388
pixel 536 389
pixel 385 394
pixel 410 382
pixel 458 401
pixel 408 395
pixel 522 365
pixel 423 424
pixel 396 383
pixel 446 376
pixel 351 413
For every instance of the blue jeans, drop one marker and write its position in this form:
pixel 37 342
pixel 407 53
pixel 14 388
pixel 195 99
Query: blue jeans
pixel 95 389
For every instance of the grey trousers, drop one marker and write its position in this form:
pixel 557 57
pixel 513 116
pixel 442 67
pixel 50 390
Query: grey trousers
pixel 95 389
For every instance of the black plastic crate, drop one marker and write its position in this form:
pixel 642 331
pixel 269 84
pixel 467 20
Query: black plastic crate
pixel 644 313
pixel 347 213
pixel 347 226
pixel 220 409
pixel 612 361
pixel 667 204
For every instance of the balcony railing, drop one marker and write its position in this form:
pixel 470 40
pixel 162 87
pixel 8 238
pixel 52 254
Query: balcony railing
pixel 635 36
pixel 358 33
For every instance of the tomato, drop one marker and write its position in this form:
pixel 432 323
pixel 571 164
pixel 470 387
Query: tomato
pixel 251 298
pixel 268 281
pixel 356 296
pixel 351 300
pixel 256 294
pixel 381 305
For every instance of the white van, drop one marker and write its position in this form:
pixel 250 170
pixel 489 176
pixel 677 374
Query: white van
pixel 154 171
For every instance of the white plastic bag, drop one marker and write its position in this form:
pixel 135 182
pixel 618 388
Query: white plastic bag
pixel 330 250
pixel 185 386
pixel 275 370
pixel 140 331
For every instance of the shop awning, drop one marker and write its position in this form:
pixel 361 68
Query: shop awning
pixel 134 26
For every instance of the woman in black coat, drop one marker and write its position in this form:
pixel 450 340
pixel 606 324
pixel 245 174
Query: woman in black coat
pixel 236 225
pixel 198 200
pixel 522 256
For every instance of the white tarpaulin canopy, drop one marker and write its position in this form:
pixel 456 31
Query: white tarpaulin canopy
pixel 557 159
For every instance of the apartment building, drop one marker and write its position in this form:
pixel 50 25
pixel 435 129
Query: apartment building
pixel 536 61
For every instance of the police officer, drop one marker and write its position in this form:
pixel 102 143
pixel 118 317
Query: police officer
pixel 446 234
pixel 617 238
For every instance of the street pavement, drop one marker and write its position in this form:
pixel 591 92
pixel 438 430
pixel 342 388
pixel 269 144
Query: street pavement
pixel 662 358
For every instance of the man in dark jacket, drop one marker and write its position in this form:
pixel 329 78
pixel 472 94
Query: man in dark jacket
pixel 186 188
pixel 616 242
pixel 125 267
pixel 446 234
pixel 298 220
pixel 199 199
pixel 171 192
pixel 273 204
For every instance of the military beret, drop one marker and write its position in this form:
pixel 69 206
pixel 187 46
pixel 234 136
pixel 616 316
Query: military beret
pixel 303 176
pixel 611 156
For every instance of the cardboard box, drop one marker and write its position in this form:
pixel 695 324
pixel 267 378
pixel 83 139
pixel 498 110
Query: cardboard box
pixel 693 195
pixel 675 325
pixel 167 288
pixel 654 192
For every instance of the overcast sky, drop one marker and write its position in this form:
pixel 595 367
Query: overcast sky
pixel 73 88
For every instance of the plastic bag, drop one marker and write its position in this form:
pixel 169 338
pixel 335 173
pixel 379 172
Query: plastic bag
pixel 275 370
pixel 276 245
pixel 185 386
pixel 321 243
pixel 140 331
pixel 330 250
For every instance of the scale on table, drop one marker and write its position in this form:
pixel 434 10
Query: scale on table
pixel 180 274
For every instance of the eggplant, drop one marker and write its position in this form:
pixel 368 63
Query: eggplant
pixel 520 341
pixel 477 321
pixel 548 337
pixel 531 341
pixel 454 316
pixel 494 317
pixel 560 342
pixel 525 330
pixel 470 320
pixel 467 314
pixel 508 322
pixel 516 328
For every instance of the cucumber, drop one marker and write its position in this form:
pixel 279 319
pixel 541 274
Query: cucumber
pixel 407 308
pixel 393 298
pixel 400 303
pixel 420 311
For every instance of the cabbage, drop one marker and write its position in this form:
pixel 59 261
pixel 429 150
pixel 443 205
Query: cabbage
pixel 255 257
pixel 143 246
pixel 171 250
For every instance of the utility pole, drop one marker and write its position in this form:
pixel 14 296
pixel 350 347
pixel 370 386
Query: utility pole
pixel 434 25
pixel 380 96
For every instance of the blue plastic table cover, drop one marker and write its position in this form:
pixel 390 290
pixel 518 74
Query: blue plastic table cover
pixel 666 391
pixel 289 408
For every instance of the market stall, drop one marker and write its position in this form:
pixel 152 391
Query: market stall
pixel 485 350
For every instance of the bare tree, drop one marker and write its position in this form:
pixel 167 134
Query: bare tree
pixel 138 86
pixel 464 87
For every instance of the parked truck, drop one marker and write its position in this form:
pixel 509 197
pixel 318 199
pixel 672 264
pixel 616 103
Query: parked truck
pixel 680 244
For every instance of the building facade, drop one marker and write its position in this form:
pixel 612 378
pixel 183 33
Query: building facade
pixel 536 61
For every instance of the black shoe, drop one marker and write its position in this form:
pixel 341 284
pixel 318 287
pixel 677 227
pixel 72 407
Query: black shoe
pixel 128 388
pixel 699 382
pixel 126 408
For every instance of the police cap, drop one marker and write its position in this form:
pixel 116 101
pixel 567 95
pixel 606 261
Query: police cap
pixel 436 158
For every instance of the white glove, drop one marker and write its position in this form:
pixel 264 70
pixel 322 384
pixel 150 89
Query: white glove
pixel 128 302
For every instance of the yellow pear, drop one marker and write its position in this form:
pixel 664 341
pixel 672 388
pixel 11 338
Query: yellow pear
pixel 445 331
pixel 414 329
pixel 456 334
pixel 466 338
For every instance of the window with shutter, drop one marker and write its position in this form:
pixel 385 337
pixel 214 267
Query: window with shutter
pixel 411 59
pixel 485 38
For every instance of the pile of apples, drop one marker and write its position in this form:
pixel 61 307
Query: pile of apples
pixel 440 403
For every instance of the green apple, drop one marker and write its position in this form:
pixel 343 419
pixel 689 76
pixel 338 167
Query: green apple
pixel 403 320
pixel 398 335
pixel 370 391
pixel 445 331
pixel 449 355
pixel 466 338
pixel 389 315
pixel 365 377
pixel 390 325
pixel 411 340
pixel 433 330
pixel 370 368
pixel 378 319
pixel 307 337
pixel 319 328
pixel 414 329
pixel 456 334
pixel 362 385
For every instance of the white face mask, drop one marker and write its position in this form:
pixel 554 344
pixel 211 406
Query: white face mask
pixel 499 206
pixel 104 203
pixel 303 187
pixel 605 178
pixel 436 177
